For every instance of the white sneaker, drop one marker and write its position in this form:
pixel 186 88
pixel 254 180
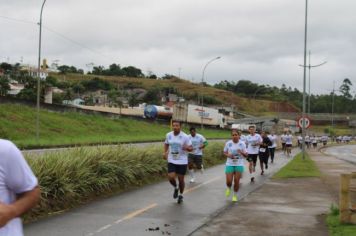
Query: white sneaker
pixel 192 180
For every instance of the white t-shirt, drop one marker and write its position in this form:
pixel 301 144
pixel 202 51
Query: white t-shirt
pixel 253 143
pixel 15 177
pixel 289 139
pixel 232 148
pixel 273 139
pixel 283 138
pixel 176 154
pixel 197 141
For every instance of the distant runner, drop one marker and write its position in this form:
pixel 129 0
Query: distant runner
pixel 264 152
pixel 314 141
pixel 283 142
pixel 176 146
pixel 272 148
pixel 289 143
pixel 235 151
pixel 253 141
pixel 195 158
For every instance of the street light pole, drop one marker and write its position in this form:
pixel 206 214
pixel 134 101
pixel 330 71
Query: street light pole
pixel 202 82
pixel 309 67
pixel 304 76
pixel 39 76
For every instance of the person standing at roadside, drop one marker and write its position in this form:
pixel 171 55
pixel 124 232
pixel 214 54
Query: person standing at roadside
pixel 176 146
pixel 195 158
pixel 272 148
pixel 264 151
pixel 235 151
pixel 253 141
pixel 19 191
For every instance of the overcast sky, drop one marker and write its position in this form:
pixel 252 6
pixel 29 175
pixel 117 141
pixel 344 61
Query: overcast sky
pixel 258 40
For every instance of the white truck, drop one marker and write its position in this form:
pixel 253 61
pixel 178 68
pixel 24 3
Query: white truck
pixel 194 114
pixel 242 127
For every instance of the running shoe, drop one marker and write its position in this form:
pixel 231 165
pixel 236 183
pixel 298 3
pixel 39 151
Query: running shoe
pixel 252 179
pixel 266 166
pixel 192 180
pixel 227 192
pixel 180 199
pixel 234 198
pixel 202 169
pixel 175 193
pixel 262 172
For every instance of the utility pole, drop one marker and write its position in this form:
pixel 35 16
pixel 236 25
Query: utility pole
pixel 304 76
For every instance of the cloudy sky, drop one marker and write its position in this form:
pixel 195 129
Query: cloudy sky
pixel 258 40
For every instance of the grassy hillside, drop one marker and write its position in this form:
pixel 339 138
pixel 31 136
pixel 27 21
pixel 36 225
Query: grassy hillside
pixel 188 89
pixel 17 123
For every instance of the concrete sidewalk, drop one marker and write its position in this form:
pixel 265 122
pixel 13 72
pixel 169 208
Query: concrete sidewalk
pixel 284 207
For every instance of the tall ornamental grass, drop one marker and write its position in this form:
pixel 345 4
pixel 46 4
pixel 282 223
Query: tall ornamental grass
pixel 76 176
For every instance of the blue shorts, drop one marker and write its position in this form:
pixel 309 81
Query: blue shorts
pixel 233 169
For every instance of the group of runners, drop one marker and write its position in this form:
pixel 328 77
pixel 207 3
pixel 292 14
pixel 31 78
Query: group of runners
pixel 185 152
pixel 312 141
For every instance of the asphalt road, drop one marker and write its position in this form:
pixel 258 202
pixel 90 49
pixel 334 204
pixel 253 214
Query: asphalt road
pixel 345 152
pixel 151 210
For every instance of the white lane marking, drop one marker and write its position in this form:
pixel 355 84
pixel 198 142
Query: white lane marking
pixel 142 210
pixel 127 217
pixel 200 185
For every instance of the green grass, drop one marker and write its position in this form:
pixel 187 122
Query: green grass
pixel 338 129
pixel 17 123
pixel 74 177
pixel 335 227
pixel 298 168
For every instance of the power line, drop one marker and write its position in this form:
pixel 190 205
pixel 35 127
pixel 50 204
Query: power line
pixel 60 35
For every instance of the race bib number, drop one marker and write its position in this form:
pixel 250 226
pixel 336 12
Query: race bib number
pixel 262 149
pixel 175 155
pixel 234 160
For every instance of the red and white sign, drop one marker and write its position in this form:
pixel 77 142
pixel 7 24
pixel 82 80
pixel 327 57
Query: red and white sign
pixel 306 120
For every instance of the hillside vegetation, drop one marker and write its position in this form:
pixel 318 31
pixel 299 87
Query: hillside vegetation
pixel 191 91
pixel 17 123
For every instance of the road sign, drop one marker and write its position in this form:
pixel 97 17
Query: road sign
pixel 306 121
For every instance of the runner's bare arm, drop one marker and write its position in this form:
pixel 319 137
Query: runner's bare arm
pixel 24 203
pixel 165 153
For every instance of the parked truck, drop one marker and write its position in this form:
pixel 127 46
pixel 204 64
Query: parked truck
pixel 194 114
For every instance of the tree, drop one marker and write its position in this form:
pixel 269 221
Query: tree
pixel 4 86
pixel 345 88
pixel 132 71
pixel 133 100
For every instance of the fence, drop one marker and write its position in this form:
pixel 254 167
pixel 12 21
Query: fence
pixel 348 198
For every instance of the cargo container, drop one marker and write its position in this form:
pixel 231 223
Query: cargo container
pixel 158 112
pixel 194 114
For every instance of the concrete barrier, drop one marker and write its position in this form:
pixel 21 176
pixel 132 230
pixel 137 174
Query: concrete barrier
pixel 348 198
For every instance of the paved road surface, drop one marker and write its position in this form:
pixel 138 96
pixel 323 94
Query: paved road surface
pixel 346 152
pixel 151 207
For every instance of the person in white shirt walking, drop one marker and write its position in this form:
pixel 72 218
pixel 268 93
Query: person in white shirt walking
pixel 19 191
pixel 235 151
pixel 195 158
pixel 272 148
pixel 253 141
pixel 176 146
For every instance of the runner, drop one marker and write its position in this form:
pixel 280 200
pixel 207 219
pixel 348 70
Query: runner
pixel 195 158
pixel 253 142
pixel 263 151
pixel 314 141
pixel 272 148
pixel 283 142
pixel 289 143
pixel 176 146
pixel 324 140
pixel 307 141
pixel 235 151
pixel 19 191
pixel 300 141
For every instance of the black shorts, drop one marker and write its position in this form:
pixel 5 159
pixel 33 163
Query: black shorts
pixel 197 160
pixel 283 145
pixel 288 145
pixel 263 158
pixel 178 169
pixel 252 158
